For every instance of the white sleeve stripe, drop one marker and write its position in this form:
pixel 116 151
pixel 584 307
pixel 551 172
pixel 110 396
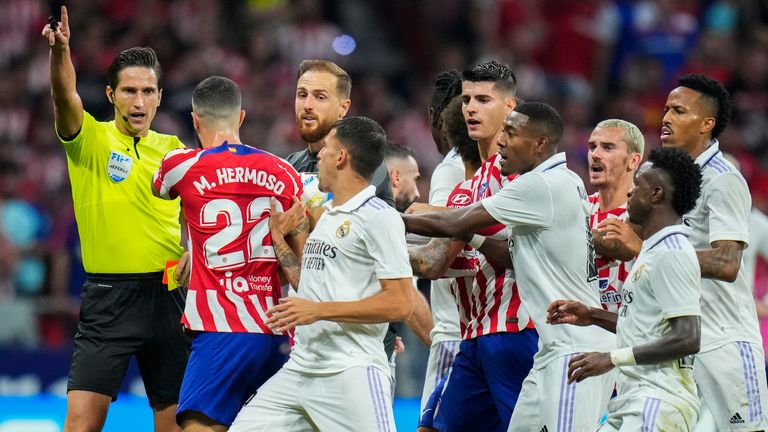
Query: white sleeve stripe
pixel 176 174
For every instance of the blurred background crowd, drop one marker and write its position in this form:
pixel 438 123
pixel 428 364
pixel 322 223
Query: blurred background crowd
pixel 591 59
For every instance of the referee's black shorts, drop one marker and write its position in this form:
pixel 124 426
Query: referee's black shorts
pixel 123 315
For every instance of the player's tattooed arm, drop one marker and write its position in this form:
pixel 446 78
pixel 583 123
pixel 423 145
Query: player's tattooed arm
pixel 433 259
pixel 294 225
pixel 722 261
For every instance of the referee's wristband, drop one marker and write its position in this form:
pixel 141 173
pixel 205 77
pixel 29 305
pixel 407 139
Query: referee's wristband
pixel 477 241
pixel 623 357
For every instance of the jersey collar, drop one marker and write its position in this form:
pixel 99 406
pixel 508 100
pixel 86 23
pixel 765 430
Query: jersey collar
pixel 554 161
pixel 712 150
pixel 663 233
pixel 355 202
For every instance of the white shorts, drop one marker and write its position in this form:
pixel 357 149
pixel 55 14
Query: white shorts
pixel 548 400
pixel 635 412
pixel 732 385
pixel 441 356
pixel 357 399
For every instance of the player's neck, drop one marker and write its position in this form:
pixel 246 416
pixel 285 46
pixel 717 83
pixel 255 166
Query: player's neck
pixel 221 136
pixel 700 147
pixel 614 195
pixel 487 147
pixel 470 169
pixel 659 218
pixel 315 147
pixel 346 187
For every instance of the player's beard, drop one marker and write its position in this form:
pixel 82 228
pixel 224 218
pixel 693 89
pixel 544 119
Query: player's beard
pixel 316 134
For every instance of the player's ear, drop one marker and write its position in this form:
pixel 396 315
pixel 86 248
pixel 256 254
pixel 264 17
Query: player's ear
pixel 196 122
pixel 344 107
pixel 110 95
pixel 159 96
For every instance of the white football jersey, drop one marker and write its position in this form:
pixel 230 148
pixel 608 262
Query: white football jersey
pixel 663 284
pixel 722 213
pixel 351 248
pixel 547 214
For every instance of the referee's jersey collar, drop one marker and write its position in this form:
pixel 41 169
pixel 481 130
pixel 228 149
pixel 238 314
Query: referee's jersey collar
pixel 353 203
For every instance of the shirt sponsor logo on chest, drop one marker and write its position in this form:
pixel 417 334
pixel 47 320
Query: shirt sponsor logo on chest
pixel 119 166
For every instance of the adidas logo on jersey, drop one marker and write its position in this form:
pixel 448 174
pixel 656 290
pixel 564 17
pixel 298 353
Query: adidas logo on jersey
pixel 544 429
pixel 736 419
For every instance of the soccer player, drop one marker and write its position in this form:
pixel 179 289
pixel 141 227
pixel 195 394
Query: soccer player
pixel 499 340
pixel 730 368
pixel 615 152
pixel 354 278
pixel 225 189
pixel 658 325
pixel 323 92
pixel 544 208
pixel 449 131
pixel 127 237
pixel 403 175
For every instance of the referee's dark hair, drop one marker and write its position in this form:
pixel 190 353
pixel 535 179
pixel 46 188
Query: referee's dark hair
pixel 136 56
pixel 364 140
pixel 546 118
pixel 498 73
pixel 217 98
pixel 684 174
pixel 716 97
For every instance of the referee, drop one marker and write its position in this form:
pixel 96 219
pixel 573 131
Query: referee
pixel 127 235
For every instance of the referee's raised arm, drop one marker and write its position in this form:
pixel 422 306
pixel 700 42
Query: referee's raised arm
pixel 68 107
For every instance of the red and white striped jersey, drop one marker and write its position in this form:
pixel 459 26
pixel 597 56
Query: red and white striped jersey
pixel 494 302
pixel 611 274
pixel 225 193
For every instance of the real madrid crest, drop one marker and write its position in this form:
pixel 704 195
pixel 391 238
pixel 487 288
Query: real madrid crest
pixel 343 229
pixel 638 272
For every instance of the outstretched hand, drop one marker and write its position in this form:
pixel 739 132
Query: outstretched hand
pixel 59 37
pixel 568 312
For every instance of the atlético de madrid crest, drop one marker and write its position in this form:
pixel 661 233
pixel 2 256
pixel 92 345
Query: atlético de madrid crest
pixel 344 229
pixel 119 166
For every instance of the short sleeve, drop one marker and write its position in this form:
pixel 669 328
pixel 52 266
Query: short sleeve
pixel 172 169
pixel 675 283
pixel 443 180
pixel 76 147
pixel 294 186
pixel 384 237
pixel 525 201
pixel 729 203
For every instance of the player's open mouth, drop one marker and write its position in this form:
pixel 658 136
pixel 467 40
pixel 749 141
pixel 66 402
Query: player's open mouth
pixel 665 131
pixel 596 169
pixel 138 115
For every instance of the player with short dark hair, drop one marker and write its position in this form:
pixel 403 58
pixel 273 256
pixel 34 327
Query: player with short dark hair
pixel 354 278
pixel 403 175
pixel 658 325
pixel 127 236
pixel 225 188
pixel 730 368
pixel 543 208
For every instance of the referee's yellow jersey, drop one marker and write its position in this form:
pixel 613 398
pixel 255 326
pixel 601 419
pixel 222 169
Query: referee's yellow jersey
pixel 123 227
